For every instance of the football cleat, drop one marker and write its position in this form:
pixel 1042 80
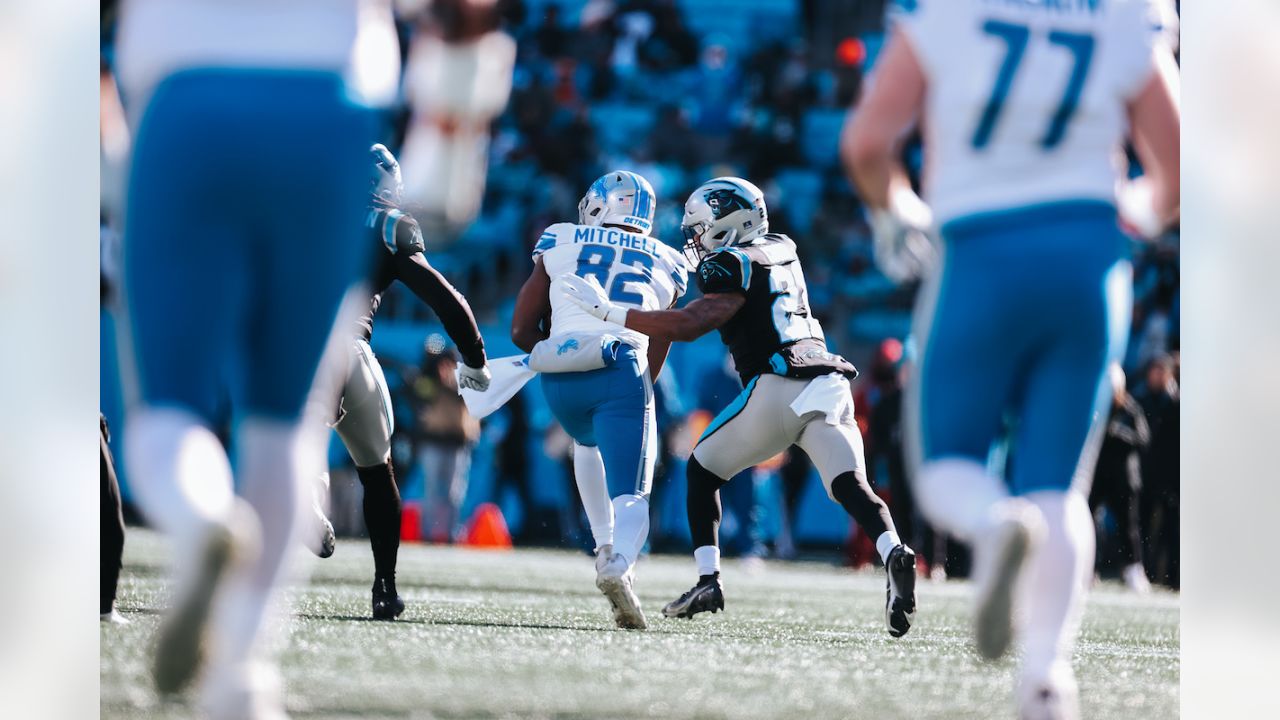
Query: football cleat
pixel 999 560
pixel 387 604
pixel 614 578
pixel 113 618
pixel 181 641
pixel 1053 698
pixel 325 540
pixel 900 590
pixel 706 595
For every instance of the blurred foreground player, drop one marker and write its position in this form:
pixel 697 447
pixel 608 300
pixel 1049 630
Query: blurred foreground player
pixel 112 529
pixel 602 392
pixel 754 292
pixel 365 421
pixel 240 109
pixel 1032 297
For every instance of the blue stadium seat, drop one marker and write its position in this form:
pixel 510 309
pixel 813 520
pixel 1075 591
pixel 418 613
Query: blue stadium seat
pixel 801 194
pixel 619 127
pixel 820 137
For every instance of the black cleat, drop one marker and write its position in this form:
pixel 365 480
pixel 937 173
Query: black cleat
pixel 900 590
pixel 708 594
pixel 387 604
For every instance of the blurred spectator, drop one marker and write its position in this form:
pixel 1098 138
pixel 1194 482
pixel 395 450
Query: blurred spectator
pixel 445 436
pixel 794 475
pixel 671 46
pixel 1157 393
pixel 672 447
pixel 511 469
pixel 1158 396
pixel 550 38
pixel 1117 478
pixel 672 140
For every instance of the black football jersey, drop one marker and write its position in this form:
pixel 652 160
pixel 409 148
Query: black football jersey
pixel 392 232
pixel 774 331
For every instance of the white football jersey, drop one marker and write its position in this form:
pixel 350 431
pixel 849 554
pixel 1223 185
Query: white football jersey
pixel 636 272
pixel 356 38
pixel 1026 100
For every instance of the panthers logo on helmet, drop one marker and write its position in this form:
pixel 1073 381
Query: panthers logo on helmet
pixel 723 202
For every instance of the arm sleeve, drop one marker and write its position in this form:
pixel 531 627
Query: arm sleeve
pixel 727 271
pixel 430 286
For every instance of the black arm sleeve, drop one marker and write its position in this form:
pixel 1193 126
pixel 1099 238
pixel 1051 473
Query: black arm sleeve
pixel 430 286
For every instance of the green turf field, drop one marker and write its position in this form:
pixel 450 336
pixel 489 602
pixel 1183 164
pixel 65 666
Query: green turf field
pixel 525 634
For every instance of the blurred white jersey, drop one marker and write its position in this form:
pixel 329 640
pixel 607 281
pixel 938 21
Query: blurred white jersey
pixel 1026 100
pixel 636 271
pixel 355 38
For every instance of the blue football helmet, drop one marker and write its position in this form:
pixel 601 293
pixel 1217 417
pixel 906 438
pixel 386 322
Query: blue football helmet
pixel 619 198
pixel 385 183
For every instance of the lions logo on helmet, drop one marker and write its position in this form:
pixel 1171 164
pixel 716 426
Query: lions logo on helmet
pixel 385 183
pixel 619 198
pixel 723 211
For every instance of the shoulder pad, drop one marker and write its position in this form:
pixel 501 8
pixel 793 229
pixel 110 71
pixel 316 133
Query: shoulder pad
pixel 550 238
pixel 726 270
pixel 398 231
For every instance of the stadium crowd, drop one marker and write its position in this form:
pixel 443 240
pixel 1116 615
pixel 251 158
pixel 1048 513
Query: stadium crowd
pixel 763 87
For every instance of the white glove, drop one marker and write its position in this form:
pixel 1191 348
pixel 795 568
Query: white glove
pixel 473 378
pixel 587 294
pixel 1135 203
pixel 903 249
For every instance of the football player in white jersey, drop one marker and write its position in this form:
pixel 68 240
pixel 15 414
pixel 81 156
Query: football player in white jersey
pixel 1024 106
pixel 605 398
pixel 240 109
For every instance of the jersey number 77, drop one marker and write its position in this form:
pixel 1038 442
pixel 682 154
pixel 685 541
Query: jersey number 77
pixel 1016 38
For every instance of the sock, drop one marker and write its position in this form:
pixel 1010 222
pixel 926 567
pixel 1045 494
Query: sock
pixel 885 544
pixel 276 461
pixel 588 473
pixel 181 479
pixel 382 516
pixel 1056 582
pixel 703 504
pixel 958 497
pixel 855 495
pixel 630 526
pixel 707 558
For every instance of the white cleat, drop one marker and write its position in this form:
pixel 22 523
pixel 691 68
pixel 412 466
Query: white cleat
pixel 243 691
pixel 1053 698
pixel 181 643
pixel 614 578
pixel 113 618
pixel 999 560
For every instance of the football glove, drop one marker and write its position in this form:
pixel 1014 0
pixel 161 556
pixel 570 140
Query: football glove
pixel 1135 204
pixel 587 294
pixel 473 378
pixel 903 249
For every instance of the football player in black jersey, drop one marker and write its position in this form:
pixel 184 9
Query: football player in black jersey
pixel 364 420
pixel 796 392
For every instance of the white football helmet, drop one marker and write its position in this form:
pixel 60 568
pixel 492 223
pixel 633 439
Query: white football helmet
pixel 619 198
pixel 385 183
pixel 723 211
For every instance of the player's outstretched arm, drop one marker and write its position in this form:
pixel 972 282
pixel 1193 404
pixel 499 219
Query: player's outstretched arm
pixel 433 289
pixel 690 322
pixel 533 308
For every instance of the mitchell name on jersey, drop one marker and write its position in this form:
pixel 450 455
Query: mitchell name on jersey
pixel 636 271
